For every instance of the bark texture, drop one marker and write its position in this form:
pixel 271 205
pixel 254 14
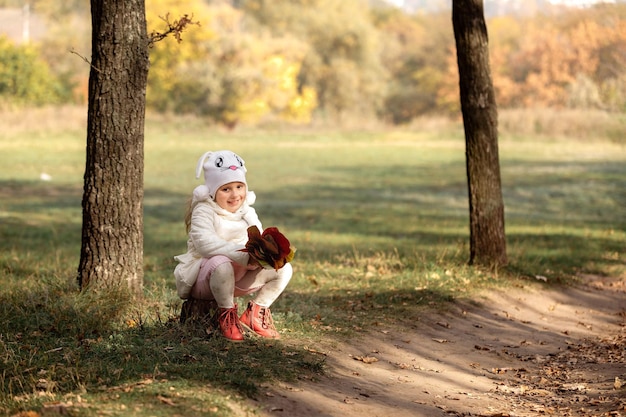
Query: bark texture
pixel 480 120
pixel 112 231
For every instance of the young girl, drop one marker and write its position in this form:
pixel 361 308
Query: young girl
pixel 215 267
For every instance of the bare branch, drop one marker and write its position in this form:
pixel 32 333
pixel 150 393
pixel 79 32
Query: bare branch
pixel 174 28
pixel 72 51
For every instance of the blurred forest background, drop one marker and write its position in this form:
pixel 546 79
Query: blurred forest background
pixel 334 62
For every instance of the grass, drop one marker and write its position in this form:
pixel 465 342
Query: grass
pixel 379 219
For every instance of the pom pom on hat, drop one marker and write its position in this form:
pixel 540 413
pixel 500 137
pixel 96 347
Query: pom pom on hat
pixel 220 168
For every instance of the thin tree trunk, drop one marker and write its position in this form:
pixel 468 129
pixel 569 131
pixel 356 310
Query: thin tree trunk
pixel 480 119
pixel 112 233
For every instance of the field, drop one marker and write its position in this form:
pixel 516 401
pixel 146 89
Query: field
pixel 379 218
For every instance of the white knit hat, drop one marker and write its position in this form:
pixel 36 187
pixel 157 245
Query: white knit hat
pixel 220 168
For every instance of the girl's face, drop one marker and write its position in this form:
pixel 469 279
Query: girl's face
pixel 231 196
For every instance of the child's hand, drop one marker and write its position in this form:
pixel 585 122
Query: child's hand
pixel 253 263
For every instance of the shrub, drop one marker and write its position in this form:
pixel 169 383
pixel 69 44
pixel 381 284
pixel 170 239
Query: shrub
pixel 24 77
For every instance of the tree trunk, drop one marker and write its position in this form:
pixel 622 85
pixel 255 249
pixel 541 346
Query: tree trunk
pixel 480 119
pixel 112 233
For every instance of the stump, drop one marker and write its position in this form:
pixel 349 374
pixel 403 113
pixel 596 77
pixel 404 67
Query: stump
pixel 201 311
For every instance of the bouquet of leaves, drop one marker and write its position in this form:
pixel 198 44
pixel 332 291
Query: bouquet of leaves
pixel 271 248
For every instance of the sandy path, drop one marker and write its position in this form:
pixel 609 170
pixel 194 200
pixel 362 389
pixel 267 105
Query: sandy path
pixel 523 352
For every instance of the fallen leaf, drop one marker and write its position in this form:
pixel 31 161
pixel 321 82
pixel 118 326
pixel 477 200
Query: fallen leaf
pixel 165 400
pixel 573 387
pixel 315 351
pixel 56 408
pixel 618 383
pixel 366 359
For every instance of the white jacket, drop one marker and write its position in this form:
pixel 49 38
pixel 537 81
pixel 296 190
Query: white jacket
pixel 213 231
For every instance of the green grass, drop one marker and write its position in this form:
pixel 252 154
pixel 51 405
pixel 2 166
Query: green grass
pixel 379 219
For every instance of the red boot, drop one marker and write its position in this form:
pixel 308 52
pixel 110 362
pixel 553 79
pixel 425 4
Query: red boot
pixel 259 320
pixel 229 324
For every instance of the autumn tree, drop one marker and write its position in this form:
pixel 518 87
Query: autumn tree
pixel 112 231
pixel 480 120
pixel 24 77
pixel 224 71
pixel 342 63
pixel 415 55
pixel 174 83
pixel 575 60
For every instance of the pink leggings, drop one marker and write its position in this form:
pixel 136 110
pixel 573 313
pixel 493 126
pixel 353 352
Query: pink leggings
pixel 247 281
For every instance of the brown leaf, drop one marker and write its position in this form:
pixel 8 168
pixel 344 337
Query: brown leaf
pixel 366 359
pixel 165 400
pixel 56 407
pixel 315 351
pixel 270 248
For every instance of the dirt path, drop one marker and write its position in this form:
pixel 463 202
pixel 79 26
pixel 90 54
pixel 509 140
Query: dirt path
pixel 521 352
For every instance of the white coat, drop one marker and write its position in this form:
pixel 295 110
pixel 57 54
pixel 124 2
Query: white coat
pixel 213 231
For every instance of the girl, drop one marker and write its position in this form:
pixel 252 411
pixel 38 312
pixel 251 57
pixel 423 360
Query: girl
pixel 215 267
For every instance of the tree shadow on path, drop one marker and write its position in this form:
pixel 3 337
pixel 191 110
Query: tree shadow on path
pixel 516 352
